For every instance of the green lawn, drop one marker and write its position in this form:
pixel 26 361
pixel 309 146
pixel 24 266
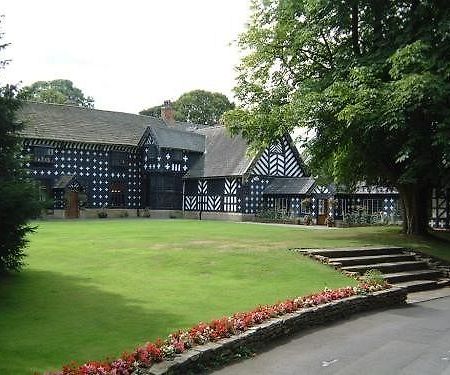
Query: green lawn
pixel 95 288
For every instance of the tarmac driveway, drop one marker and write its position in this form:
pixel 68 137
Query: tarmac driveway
pixel 410 340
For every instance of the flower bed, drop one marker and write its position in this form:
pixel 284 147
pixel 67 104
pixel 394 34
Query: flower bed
pixel 203 333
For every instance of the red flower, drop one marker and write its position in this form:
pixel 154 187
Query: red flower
pixel 215 330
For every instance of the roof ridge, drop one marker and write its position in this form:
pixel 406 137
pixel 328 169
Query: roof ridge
pixel 210 128
pixel 125 113
pixel 176 130
pixel 89 109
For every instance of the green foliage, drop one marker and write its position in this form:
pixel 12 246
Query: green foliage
pixel 58 91
pixel 18 196
pixel 201 107
pixel 152 111
pixel 370 79
pixel 373 277
pixel 197 107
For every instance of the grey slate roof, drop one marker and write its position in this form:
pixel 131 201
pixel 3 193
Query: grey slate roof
pixel 171 137
pixel 76 124
pixel 290 185
pixel 63 181
pixel 224 155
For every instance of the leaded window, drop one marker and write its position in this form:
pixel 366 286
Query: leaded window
pixel 43 155
pixel 118 190
pixel 118 159
pixel 177 155
pixel 152 152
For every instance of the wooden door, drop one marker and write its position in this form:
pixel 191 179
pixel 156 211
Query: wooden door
pixel 323 211
pixel 72 209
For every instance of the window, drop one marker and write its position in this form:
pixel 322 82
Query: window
pixel 282 205
pixel 306 205
pixel 43 155
pixel 177 155
pixel 118 159
pixel 45 190
pixel 322 207
pixel 372 206
pixel 164 182
pixel 117 194
pixel 152 152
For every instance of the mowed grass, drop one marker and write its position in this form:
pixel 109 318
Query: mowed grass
pixel 93 289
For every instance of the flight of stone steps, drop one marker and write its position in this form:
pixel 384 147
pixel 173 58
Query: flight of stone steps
pixel 400 266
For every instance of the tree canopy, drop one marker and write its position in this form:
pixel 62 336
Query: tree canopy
pixel 18 201
pixel 371 78
pixel 58 91
pixel 198 107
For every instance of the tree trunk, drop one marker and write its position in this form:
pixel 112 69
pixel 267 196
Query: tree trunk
pixel 355 29
pixel 378 12
pixel 415 201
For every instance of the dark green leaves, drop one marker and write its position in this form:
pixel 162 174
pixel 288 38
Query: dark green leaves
pixel 58 91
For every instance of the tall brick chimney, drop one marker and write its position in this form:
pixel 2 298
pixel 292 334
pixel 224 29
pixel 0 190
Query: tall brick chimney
pixel 167 112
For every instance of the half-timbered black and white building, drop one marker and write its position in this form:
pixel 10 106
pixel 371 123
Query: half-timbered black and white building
pixel 88 160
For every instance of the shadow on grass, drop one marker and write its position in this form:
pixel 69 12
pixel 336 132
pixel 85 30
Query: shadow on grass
pixel 443 237
pixel 436 244
pixel 49 319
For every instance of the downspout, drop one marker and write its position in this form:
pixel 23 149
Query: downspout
pixel 182 203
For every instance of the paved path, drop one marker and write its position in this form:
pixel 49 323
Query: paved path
pixel 411 340
pixel 296 226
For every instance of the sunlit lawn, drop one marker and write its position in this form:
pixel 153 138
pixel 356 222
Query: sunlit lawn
pixel 93 289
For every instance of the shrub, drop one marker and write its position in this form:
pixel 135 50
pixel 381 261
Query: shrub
pixel 307 220
pixel 103 214
pixel 373 277
pixel 18 195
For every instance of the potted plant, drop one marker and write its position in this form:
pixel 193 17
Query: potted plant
pixel 102 214
pixel 306 204
pixel 329 221
pixel 307 220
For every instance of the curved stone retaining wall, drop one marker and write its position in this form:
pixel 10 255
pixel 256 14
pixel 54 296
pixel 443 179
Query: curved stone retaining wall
pixel 200 357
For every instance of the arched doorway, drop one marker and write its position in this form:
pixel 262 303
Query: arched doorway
pixel 72 205
pixel 69 195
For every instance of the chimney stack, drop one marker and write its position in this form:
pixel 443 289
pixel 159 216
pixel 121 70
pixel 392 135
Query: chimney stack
pixel 167 112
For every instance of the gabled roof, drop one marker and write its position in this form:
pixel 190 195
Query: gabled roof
pixel 77 124
pixel 225 155
pixel 63 181
pixel 290 185
pixel 174 138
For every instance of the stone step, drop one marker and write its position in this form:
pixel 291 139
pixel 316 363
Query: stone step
pixel 388 267
pixel 418 285
pixel 371 259
pixel 443 282
pixel 399 277
pixel 355 252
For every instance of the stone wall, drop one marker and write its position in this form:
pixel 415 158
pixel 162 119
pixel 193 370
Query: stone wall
pixel 203 356
pixel 208 215
pixel 92 213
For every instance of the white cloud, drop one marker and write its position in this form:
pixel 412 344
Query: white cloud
pixel 127 55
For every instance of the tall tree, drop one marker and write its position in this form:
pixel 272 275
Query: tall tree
pixel 152 111
pixel 371 78
pixel 58 91
pixel 18 201
pixel 197 106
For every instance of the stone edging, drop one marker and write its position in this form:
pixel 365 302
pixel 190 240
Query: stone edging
pixel 202 356
pixel 434 262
